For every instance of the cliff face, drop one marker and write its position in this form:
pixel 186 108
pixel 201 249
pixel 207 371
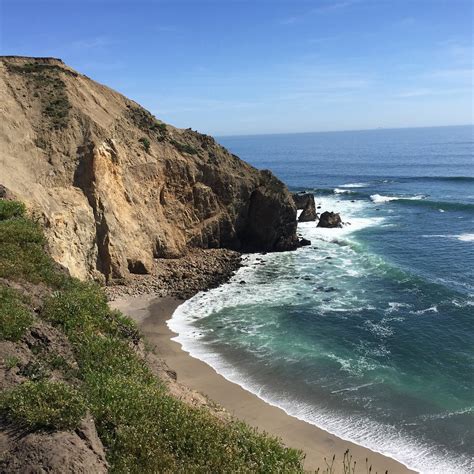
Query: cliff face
pixel 115 187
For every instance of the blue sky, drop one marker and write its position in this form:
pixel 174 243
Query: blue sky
pixel 245 67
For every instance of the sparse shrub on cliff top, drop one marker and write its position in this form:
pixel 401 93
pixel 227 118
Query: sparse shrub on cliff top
pixel 43 405
pixel 46 83
pixel 15 318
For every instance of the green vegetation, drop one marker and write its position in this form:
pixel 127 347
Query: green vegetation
pixel 11 362
pixel 9 209
pixel 15 318
pixel 23 257
pixel 184 147
pixel 146 122
pixel 34 370
pixel 145 143
pixel 44 405
pixel 143 427
pixel 45 82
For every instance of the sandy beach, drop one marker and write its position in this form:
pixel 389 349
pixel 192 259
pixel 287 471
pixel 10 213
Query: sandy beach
pixel 151 314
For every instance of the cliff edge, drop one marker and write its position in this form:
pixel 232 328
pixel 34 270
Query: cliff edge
pixel 115 188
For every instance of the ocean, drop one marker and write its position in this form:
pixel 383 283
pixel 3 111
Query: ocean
pixel 369 332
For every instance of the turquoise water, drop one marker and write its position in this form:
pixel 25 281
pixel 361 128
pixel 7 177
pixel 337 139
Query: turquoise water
pixel 368 333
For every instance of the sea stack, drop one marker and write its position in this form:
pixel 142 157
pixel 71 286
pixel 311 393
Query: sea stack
pixel 330 219
pixel 305 201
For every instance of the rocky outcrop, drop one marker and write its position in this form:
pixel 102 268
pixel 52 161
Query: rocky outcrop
pixel 67 452
pixel 305 201
pixel 271 221
pixel 330 219
pixel 115 188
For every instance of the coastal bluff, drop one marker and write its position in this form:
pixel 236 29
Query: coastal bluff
pixel 115 188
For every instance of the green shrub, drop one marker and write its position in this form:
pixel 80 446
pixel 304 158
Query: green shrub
pixel 22 253
pixel 147 430
pixel 15 318
pixel 99 354
pixel 34 370
pixel 43 405
pixel 184 147
pixel 11 362
pixel 20 231
pixel 9 209
pixel 145 143
pixel 46 83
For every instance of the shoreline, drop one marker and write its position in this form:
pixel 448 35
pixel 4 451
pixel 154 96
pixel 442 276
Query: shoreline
pixel 151 313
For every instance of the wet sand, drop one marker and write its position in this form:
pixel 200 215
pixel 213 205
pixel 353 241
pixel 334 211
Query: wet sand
pixel 151 314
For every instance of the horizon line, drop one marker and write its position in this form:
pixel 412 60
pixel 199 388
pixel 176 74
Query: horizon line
pixel 218 135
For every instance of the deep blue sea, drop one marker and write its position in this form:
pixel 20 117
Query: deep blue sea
pixel 369 332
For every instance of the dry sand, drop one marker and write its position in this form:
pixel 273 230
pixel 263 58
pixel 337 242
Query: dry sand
pixel 151 314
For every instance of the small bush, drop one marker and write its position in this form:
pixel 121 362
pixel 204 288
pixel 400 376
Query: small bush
pixel 22 253
pixel 79 308
pixel 145 143
pixel 10 209
pixel 43 405
pixel 184 147
pixel 15 318
pixel 20 231
pixel 46 83
pixel 11 362
pixel 34 370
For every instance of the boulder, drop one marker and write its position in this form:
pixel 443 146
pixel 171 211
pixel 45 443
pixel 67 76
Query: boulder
pixel 330 219
pixel 304 242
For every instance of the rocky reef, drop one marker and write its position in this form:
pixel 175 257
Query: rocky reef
pixel 115 188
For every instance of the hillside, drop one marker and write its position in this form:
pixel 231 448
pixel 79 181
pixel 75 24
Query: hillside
pixel 115 188
pixel 79 392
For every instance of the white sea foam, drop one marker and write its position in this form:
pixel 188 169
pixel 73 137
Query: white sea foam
pixel 341 191
pixel 379 199
pixel 395 306
pixel 461 237
pixel 431 309
pixel 386 439
pixel 466 237
pixel 354 185
pixel 383 438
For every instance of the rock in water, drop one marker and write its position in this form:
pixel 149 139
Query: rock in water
pixel 330 219
pixel 306 202
pixel 309 211
pixel 115 187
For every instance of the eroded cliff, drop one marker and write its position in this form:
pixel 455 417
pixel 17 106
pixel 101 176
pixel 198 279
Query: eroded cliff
pixel 116 188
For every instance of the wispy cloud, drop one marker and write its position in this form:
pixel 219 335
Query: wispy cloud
pixel 330 6
pixel 324 7
pixel 425 92
pixel 98 42
pixel 452 74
